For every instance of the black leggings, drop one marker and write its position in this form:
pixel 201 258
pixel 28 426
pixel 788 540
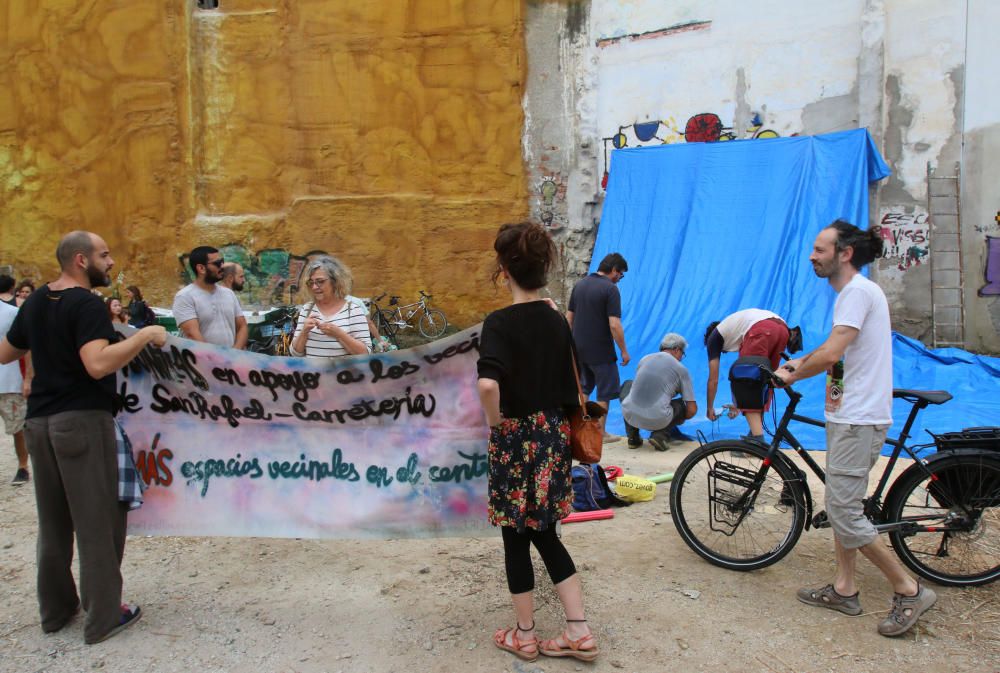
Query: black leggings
pixel 517 557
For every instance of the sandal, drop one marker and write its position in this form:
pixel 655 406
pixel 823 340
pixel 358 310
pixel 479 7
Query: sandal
pixel 573 648
pixel 517 647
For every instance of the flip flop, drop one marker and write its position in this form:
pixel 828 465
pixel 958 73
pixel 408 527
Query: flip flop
pixel 550 648
pixel 516 646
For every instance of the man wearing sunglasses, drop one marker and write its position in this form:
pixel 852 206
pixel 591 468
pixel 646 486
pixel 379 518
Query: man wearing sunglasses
pixel 207 311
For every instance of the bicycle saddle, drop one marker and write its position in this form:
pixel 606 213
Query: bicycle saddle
pixel 927 396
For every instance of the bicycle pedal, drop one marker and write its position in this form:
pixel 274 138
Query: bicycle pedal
pixel 821 520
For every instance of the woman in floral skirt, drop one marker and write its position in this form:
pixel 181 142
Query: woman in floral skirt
pixel 526 384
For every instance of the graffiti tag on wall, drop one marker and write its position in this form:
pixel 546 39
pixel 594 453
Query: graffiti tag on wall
pixel 706 127
pixel 992 273
pixel 905 236
pixel 551 196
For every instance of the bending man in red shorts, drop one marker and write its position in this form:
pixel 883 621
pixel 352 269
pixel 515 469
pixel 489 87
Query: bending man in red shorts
pixel 751 331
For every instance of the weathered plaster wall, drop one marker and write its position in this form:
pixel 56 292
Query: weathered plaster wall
pixel 387 133
pixel 924 77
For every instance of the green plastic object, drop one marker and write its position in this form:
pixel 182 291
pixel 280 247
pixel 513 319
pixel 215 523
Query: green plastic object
pixel 660 478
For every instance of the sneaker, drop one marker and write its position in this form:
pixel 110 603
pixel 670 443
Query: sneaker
pixel 130 615
pixel 21 477
pixel 906 610
pixel 827 597
pixel 609 438
pixel 659 443
pixel 633 436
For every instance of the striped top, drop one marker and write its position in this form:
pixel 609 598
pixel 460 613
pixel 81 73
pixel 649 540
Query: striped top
pixel 352 318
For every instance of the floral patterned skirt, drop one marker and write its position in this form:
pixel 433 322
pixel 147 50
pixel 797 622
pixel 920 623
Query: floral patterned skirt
pixel 529 471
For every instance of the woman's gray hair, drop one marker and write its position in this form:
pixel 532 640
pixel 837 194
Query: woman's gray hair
pixel 672 340
pixel 340 276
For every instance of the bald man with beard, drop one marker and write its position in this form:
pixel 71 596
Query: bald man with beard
pixel 71 437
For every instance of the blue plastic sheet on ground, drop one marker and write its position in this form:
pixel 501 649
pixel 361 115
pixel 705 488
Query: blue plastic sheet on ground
pixel 712 228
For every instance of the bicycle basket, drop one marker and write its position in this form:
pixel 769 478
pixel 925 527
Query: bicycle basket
pixel 749 385
pixel 987 438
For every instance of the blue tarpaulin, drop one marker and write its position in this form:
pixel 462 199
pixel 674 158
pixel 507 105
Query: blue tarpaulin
pixel 712 228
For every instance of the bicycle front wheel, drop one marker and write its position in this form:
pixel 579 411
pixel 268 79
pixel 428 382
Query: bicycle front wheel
pixel 432 323
pixel 726 517
pixel 954 536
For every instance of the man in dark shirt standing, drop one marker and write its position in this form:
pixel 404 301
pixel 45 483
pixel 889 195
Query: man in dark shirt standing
pixel 71 438
pixel 595 314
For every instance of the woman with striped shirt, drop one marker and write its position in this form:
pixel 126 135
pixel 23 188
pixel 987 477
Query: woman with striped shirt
pixel 332 325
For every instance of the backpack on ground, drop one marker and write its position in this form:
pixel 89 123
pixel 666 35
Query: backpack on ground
pixel 591 490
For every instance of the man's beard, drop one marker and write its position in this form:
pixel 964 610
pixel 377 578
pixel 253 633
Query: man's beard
pixel 97 277
pixel 237 286
pixel 212 278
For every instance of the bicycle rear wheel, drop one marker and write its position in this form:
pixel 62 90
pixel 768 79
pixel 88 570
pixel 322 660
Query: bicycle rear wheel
pixel 725 518
pixel 963 494
pixel 432 323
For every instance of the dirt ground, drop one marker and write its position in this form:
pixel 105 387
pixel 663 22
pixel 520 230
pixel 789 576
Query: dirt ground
pixel 223 604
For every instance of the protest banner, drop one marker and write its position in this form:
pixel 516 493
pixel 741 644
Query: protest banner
pixel 233 443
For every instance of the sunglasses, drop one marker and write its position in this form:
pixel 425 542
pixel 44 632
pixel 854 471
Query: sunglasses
pixel 218 262
pixel 317 282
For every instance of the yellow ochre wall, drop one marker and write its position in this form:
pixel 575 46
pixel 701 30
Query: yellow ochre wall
pixel 387 132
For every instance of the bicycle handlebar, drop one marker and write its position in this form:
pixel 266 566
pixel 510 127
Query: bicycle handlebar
pixel 424 294
pixel 378 298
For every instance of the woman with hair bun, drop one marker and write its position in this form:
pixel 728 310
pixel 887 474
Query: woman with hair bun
pixel 526 385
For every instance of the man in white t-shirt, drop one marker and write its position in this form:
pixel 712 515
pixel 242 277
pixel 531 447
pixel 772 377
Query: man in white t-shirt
pixel 857 357
pixel 13 404
pixel 207 311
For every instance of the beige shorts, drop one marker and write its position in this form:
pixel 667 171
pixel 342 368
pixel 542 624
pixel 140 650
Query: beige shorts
pixel 851 452
pixel 13 406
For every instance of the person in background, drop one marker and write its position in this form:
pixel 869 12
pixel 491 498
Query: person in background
pixel 526 384
pixel 233 276
pixel 115 311
pixel 751 331
pixel 24 290
pixel 204 311
pixel 651 401
pixel 331 325
pixel 595 315
pixel 13 391
pixel 136 307
pixel 7 290
pixel 70 436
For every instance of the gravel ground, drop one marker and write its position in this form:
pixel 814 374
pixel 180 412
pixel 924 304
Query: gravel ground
pixel 227 604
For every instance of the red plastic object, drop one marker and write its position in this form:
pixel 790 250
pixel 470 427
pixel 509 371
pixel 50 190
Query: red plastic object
pixel 612 472
pixel 597 514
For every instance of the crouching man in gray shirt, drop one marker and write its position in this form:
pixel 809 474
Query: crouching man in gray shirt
pixel 649 401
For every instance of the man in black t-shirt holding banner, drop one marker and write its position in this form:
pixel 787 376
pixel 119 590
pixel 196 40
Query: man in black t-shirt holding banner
pixel 71 438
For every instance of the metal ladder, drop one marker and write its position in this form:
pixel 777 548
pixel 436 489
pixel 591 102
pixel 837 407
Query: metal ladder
pixel 947 277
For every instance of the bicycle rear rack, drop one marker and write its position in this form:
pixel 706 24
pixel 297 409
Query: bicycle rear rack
pixel 730 505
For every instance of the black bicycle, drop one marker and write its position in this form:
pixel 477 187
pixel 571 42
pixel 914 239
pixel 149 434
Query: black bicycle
pixel 382 319
pixel 742 505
